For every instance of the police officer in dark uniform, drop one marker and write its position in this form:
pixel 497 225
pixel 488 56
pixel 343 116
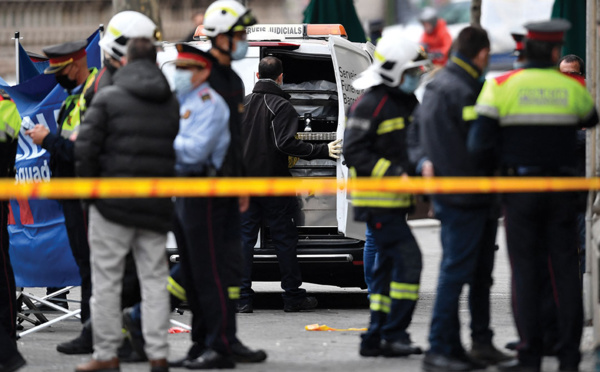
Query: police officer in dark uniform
pixel 10 124
pixel 225 24
pixel 528 120
pixel 69 64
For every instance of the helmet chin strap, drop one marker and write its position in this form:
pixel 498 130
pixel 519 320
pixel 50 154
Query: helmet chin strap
pixel 226 52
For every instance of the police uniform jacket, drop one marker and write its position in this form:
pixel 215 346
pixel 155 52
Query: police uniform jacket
pixel 443 121
pixel 129 131
pixel 375 146
pixel 528 121
pixel 269 127
pixel 203 138
pixel 58 144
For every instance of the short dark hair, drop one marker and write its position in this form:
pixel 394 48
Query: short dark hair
pixel 471 40
pixel 141 48
pixel 570 58
pixel 270 68
pixel 539 51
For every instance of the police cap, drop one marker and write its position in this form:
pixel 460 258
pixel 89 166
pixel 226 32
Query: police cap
pixel 549 31
pixel 61 55
pixel 188 55
pixel 519 39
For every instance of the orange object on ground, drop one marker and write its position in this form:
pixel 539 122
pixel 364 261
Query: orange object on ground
pixel 323 327
pixel 174 330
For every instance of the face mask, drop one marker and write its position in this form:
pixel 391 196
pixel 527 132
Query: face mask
pixel 66 83
pixel 483 74
pixel 241 48
pixel 410 84
pixel 183 81
pixel 518 65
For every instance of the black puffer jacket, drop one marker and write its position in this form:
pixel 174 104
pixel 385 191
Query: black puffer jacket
pixel 128 132
pixel 269 127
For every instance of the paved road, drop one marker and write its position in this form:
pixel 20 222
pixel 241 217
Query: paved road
pixel 291 348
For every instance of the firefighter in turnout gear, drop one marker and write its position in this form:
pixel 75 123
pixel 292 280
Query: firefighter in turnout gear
pixel 375 146
pixel 527 126
pixel 10 125
pixel 68 63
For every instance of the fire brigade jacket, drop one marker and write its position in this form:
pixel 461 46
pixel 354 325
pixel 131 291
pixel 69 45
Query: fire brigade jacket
pixel 528 120
pixel 129 131
pixel 443 119
pixel 10 124
pixel 375 146
pixel 269 127
pixel 62 159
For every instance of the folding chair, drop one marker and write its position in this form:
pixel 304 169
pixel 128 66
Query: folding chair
pixel 30 306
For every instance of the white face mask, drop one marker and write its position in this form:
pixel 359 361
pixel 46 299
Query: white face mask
pixel 183 81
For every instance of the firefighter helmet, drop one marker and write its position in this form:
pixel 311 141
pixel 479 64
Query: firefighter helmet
pixel 226 16
pixel 124 26
pixel 393 56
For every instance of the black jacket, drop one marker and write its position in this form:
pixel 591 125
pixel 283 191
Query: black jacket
pixel 269 127
pixel 376 129
pixel 128 132
pixel 231 87
pixel 442 124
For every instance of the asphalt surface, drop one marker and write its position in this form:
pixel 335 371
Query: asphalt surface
pixel 291 348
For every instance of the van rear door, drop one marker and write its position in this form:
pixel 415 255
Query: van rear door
pixel 349 60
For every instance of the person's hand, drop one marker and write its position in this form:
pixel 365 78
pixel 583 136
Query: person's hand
pixel 427 169
pixel 244 203
pixel 335 148
pixel 38 133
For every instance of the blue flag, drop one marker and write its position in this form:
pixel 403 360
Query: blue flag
pixel 39 247
pixel 27 68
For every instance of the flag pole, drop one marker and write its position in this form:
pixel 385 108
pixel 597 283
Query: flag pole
pixel 17 72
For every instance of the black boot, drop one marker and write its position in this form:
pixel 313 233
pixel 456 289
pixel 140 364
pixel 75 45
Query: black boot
pixel 82 344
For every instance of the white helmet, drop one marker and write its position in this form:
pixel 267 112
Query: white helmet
pixel 124 26
pixel 393 55
pixel 225 16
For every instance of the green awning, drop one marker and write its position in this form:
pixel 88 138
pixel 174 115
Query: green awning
pixel 336 11
pixel 574 12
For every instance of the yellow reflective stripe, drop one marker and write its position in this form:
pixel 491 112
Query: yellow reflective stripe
pixel 469 113
pixel 234 293
pixel 113 31
pixel 380 303
pixel 404 291
pixel 353 172
pixel 10 121
pixel 380 168
pixel 176 290
pixel 381 199
pixel 390 125
pixel 467 67
pixel 73 120
pixel 218 9
pixel 378 56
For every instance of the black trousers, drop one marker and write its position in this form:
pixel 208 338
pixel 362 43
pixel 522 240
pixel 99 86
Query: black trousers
pixel 541 231
pixel 76 221
pixel 208 238
pixel 8 309
pixel 278 214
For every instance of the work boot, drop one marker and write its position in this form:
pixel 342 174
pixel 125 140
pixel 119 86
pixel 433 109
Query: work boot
pixel 442 363
pixel 488 354
pixel 210 359
pixel 194 352
pixel 94 365
pixel 133 332
pixel 306 303
pixel 82 344
pixel 243 354
pixel 159 365
pixel 399 348
pixel 13 364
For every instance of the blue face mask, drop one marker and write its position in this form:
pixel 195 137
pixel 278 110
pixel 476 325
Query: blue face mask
pixel 482 76
pixel 241 48
pixel 518 65
pixel 410 84
pixel 183 81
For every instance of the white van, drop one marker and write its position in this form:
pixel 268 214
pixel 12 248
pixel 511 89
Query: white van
pixel 319 66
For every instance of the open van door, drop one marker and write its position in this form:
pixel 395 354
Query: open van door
pixel 349 60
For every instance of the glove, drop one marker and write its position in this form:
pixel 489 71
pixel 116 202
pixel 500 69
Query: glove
pixel 335 148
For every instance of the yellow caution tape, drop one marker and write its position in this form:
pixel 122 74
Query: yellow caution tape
pixel 91 188
pixel 323 327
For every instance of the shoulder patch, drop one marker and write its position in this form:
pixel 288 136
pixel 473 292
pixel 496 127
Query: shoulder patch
pixel 4 95
pixel 205 97
pixel 503 78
